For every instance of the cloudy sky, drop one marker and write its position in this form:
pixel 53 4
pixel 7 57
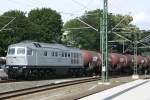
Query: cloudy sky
pixel 140 10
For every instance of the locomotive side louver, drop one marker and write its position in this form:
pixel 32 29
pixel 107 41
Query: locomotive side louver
pixel 37 45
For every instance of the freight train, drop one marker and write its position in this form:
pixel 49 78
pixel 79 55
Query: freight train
pixel 42 60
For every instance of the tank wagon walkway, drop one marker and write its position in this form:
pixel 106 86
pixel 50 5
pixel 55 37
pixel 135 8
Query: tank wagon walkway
pixel 136 90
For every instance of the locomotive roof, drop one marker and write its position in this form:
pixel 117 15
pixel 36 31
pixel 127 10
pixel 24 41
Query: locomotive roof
pixel 42 45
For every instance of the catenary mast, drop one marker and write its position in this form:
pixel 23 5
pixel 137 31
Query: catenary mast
pixel 104 41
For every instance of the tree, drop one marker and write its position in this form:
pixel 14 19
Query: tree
pixel 41 25
pixel 18 29
pixel 89 38
pixel 47 25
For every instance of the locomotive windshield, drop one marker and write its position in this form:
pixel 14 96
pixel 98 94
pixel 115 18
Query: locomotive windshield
pixel 18 51
pixel 11 51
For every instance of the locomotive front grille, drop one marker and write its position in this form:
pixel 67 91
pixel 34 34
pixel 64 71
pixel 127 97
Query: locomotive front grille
pixel 15 61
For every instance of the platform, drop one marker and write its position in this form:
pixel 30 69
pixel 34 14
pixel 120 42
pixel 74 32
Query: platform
pixel 135 90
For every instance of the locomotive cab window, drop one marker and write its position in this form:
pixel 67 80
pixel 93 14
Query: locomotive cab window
pixel 69 55
pixel 21 51
pixel 45 53
pixel 65 54
pixel 74 55
pixel 11 51
pixel 77 55
pixel 56 54
pixel 52 53
pixel 29 52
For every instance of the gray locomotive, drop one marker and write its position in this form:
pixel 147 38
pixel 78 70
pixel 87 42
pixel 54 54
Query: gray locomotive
pixel 42 60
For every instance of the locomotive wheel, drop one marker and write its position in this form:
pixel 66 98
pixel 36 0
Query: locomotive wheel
pixel 12 74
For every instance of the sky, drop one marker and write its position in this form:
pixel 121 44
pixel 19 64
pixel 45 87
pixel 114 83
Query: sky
pixel 140 10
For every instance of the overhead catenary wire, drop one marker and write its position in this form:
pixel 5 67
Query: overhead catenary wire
pixel 120 22
pixel 112 29
pixel 71 14
pixel 123 36
pixel 18 2
pixel 118 41
pixel 131 40
pixel 3 28
pixel 140 41
pixel 75 14
pixel 82 5
pixel 7 17
pixel 76 28
pixel 85 7
pixel 145 38
pixel 35 1
pixel 87 24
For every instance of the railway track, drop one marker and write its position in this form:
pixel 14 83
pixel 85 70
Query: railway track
pixel 7 81
pixel 21 92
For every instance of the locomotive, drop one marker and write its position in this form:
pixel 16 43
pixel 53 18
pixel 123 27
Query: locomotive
pixel 42 60
pixel 33 59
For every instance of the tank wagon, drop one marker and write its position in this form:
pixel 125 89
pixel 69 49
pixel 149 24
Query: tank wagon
pixel 33 59
pixel 125 63
pixel 92 61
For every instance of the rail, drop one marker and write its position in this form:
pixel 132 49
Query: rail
pixel 7 81
pixel 21 92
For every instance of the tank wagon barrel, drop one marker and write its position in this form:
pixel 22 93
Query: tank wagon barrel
pixel 92 60
pixel 86 57
pixel 129 60
pixel 141 61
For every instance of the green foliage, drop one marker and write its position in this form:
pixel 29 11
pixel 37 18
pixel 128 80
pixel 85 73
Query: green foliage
pixel 16 30
pixel 83 38
pixel 43 25
pixel 89 38
pixel 47 24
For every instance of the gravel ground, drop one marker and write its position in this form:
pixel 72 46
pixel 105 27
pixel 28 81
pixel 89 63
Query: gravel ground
pixel 75 91
pixel 4 87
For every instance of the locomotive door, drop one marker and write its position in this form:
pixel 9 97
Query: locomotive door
pixel 31 54
pixel 36 57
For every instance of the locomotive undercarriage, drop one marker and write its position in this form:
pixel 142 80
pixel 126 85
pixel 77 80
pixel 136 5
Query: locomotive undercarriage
pixel 119 70
pixel 33 73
